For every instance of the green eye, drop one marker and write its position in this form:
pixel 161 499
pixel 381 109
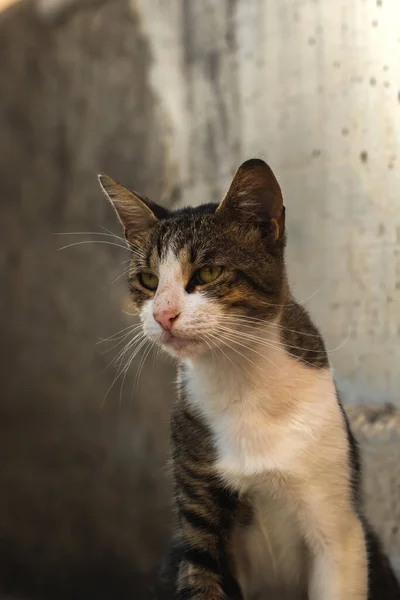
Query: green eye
pixel 148 280
pixel 208 274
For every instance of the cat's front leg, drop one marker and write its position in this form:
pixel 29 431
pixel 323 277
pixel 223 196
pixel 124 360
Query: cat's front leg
pixel 197 582
pixel 339 568
pixel 206 511
pixel 204 571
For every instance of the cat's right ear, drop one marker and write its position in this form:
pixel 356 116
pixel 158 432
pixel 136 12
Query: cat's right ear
pixel 136 213
pixel 255 196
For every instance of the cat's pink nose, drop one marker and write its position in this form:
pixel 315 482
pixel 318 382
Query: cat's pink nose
pixel 166 318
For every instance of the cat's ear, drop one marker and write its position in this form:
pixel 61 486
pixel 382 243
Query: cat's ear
pixel 136 213
pixel 255 196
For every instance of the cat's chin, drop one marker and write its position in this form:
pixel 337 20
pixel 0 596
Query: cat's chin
pixel 182 348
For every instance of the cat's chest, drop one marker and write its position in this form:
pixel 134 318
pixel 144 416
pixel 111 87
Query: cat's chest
pixel 248 443
pixel 262 428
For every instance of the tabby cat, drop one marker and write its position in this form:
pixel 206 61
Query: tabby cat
pixel 265 467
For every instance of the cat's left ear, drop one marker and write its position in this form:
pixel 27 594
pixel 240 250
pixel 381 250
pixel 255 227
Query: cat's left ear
pixel 136 213
pixel 255 196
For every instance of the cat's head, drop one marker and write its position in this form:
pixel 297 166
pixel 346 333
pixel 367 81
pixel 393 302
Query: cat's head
pixel 199 274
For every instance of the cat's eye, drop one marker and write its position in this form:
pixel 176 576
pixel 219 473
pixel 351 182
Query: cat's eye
pixel 148 280
pixel 208 274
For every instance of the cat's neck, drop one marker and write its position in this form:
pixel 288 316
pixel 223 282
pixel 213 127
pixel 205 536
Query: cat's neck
pixel 263 406
pixel 245 369
pixel 258 370
pixel 247 355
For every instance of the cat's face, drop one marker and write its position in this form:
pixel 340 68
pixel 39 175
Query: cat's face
pixel 198 274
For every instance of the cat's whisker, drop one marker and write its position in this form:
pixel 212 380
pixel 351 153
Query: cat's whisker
pixel 223 340
pixel 126 368
pixel 135 314
pixel 105 233
pixel 252 322
pixel 272 343
pixel 122 370
pixel 93 242
pixel 108 234
pixel 274 346
pixel 218 347
pixel 156 355
pixel 132 245
pixel 121 341
pixel 146 353
pixel 265 324
pixel 301 302
pixel 206 338
pixel 281 344
pixel 116 335
pixel 123 243
pixel 124 273
pixel 121 355
pixel 113 234
pixel 239 343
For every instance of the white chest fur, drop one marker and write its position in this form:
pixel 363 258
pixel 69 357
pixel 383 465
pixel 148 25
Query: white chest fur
pixel 262 421
pixel 268 427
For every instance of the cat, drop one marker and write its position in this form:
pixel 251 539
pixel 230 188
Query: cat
pixel 265 467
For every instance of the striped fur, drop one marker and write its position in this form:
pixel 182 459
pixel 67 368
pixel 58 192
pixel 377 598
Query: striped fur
pixel 265 467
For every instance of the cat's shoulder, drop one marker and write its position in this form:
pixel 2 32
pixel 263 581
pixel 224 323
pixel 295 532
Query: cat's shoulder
pixel 300 336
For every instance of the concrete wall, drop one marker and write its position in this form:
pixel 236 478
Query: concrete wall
pixel 313 86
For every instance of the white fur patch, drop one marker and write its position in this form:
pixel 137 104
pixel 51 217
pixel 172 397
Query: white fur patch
pixel 270 420
pixel 244 411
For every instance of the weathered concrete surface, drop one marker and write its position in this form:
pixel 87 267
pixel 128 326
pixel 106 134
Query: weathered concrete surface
pixel 378 433
pixel 313 87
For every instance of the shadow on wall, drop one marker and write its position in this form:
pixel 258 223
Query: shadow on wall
pixel 84 502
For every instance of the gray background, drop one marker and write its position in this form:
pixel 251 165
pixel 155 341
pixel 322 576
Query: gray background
pixel 169 97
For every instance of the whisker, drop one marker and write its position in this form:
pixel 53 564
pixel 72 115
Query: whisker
pixel 270 343
pixel 220 349
pixel 141 364
pixel 301 302
pixel 121 355
pixel 126 272
pixel 126 369
pixel 115 336
pixel 121 341
pixel 223 340
pixel 108 234
pixel 235 341
pixel 251 322
pixel 93 242
pixel 205 338
pixel 125 242
pixel 279 343
pixel 123 239
pixel 135 314
pixel 275 346
pixel 121 371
